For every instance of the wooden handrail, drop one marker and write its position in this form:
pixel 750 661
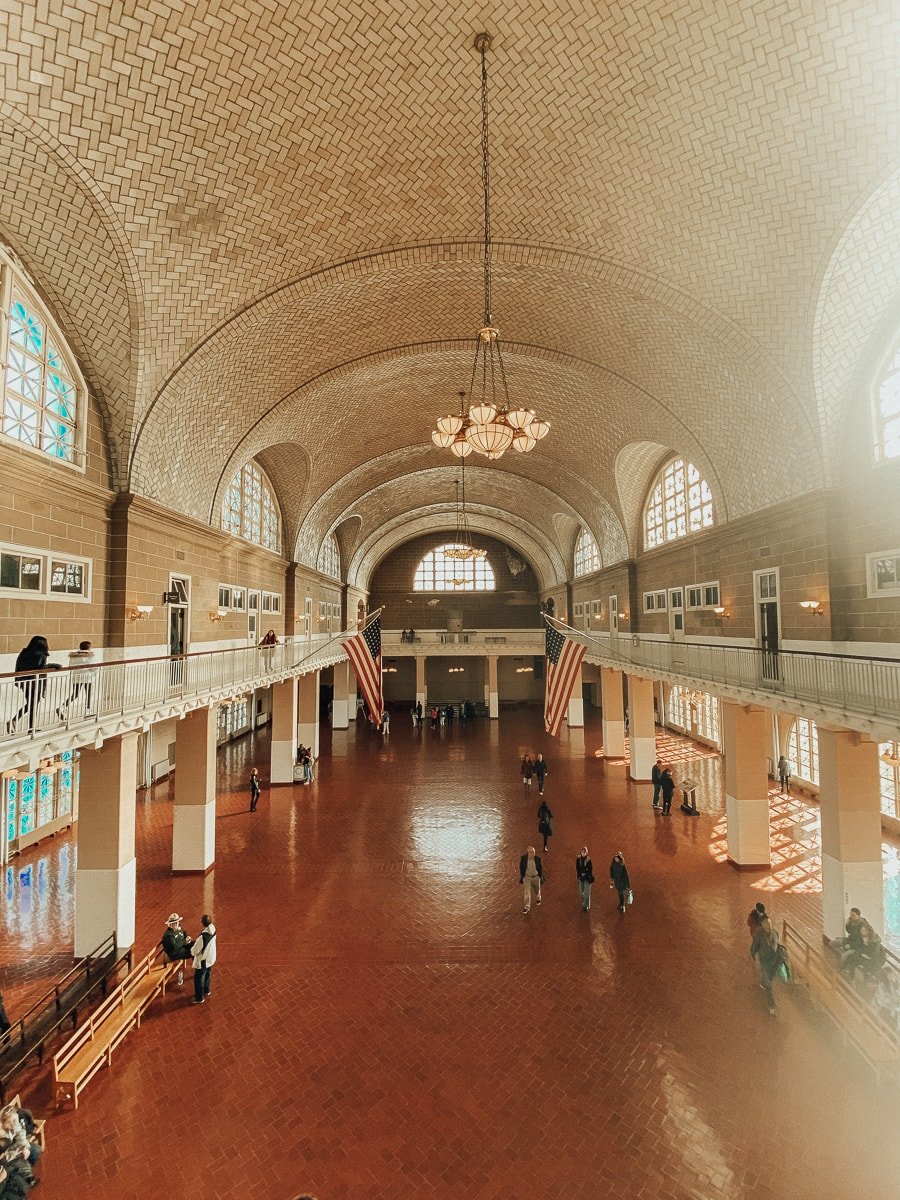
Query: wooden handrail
pixel 61 984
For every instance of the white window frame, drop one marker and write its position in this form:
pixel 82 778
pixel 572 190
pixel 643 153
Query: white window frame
pixel 669 501
pixel 696 595
pixel 690 592
pixel 890 365
pixel 586 556
pixel 873 592
pixel 47 558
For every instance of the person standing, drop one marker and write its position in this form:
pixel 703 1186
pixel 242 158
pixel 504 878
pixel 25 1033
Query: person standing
pixel 545 823
pixel 656 776
pixel 667 786
pixel 254 789
pixel 415 717
pixel 540 772
pixel 419 712
pixel 584 872
pixel 81 680
pixel 527 770
pixel 177 945
pixel 31 679
pixel 784 774
pixel 203 952
pixel 385 726
pixel 531 876
pixel 764 950
pixel 621 880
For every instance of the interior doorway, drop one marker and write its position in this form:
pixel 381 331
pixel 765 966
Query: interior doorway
pixel 676 614
pixel 768 621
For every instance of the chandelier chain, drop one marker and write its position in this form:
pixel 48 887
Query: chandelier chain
pixel 486 188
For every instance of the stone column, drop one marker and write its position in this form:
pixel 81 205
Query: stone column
pixel 745 741
pixel 340 702
pixel 613 712
pixel 421 692
pixel 575 714
pixel 284 731
pixel 106 874
pixel 194 812
pixel 641 728
pixel 849 796
pixel 493 692
pixel 308 730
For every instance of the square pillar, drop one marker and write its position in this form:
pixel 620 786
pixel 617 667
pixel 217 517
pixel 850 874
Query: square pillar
pixel 575 712
pixel 284 731
pixel 308 716
pixel 613 707
pixel 194 812
pixel 641 728
pixel 492 688
pixel 340 702
pixel 421 692
pixel 850 801
pixel 745 742
pixel 107 869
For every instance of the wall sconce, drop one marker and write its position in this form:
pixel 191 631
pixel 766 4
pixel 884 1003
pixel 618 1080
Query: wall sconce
pixel 722 613
pixel 139 612
pixel 813 606
pixel 623 617
pixel 455 670
pixel 523 670
pixel 389 670
pixel 217 614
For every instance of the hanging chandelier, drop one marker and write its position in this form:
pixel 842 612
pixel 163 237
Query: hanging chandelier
pixel 487 422
pixel 462 549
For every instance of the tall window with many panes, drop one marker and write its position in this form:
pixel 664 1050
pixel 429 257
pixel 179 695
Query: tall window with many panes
pixel 440 572
pixel 887 409
pixel 889 769
pixel 330 557
pixel 680 502
pixel 803 749
pixel 250 509
pixel 587 554
pixel 43 392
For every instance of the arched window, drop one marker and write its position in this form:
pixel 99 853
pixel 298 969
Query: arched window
pixel 680 503
pixel 43 392
pixel 587 554
pixel 250 509
pixel 803 749
pixel 330 557
pixel 438 572
pixel 889 766
pixel 887 410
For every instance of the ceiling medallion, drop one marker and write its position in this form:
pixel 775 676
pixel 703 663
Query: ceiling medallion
pixel 487 422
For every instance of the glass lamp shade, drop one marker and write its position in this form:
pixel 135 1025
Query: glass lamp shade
pixel 451 424
pixel 442 440
pixel 539 429
pixel 460 446
pixel 482 414
pixel 518 418
pixel 523 441
pixel 489 438
pixel 494 454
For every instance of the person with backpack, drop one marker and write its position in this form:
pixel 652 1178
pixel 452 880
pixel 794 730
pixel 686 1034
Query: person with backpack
pixel 203 951
pixel 756 915
pixel 545 823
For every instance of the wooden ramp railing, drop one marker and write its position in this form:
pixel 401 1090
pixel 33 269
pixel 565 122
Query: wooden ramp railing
pixel 875 1040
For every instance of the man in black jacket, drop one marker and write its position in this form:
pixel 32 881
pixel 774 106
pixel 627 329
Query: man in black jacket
pixel 667 784
pixel 531 876
pixel 656 776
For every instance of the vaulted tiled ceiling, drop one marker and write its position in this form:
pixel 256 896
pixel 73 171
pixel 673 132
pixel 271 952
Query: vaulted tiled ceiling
pixel 259 225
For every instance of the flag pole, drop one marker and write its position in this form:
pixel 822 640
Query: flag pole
pixel 582 633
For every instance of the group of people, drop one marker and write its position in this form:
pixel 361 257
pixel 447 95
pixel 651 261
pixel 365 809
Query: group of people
pixel 534 768
pixel 663 786
pixel 861 948
pixel 440 714
pixel 768 953
pixel 407 635
pixel 18 1153
pixel 33 663
pixel 178 947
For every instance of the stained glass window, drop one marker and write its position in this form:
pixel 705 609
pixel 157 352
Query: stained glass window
pixel 330 557
pixel 12 810
pixel 803 749
pixel 680 503
pixel 587 554
pixel 250 510
pixel 26 804
pixel 887 411
pixel 439 573
pixel 41 389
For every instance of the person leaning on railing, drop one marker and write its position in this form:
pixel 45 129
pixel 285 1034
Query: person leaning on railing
pixel 32 665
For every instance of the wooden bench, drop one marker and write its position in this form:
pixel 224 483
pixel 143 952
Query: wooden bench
pixel 858 1023
pixel 91 1047
pixel 39 1134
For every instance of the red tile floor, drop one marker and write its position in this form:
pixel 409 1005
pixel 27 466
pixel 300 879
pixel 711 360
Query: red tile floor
pixel 386 1023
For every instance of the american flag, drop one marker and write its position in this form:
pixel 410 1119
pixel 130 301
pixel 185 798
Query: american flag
pixel 563 671
pixel 364 651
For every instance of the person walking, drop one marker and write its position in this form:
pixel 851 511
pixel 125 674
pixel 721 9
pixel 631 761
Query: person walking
pixel 203 952
pixel 531 876
pixel 784 774
pixel 584 873
pixel 755 917
pixel 667 786
pixel 545 823
pixel 81 680
pixel 419 712
pixel 254 789
pixel 32 664
pixel 656 776
pixel 527 770
pixel 415 717
pixel 764 950
pixel 176 945
pixel 540 771
pixel 621 880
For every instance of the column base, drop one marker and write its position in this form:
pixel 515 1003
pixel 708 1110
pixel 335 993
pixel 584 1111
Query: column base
pixel 575 715
pixel 643 756
pixel 494 705
pixel 748 832
pixel 193 838
pixel 339 715
pixel 104 902
pixel 284 752
pixel 614 739
pixel 308 735
pixel 743 866
pixel 847 885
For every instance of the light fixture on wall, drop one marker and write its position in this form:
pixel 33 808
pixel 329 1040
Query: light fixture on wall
pixel 455 670
pixel 487 422
pixel 218 614
pixel 813 606
pixel 523 670
pixel 389 670
pixel 722 613
pixel 139 612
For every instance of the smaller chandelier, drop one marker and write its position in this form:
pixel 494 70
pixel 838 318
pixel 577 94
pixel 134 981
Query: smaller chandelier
pixel 462 549
pixel 487 422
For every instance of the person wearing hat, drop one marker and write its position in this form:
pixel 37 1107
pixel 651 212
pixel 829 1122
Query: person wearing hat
pixel 176 944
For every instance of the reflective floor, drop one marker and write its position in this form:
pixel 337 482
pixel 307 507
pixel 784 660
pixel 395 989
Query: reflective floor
pixel 385 1022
